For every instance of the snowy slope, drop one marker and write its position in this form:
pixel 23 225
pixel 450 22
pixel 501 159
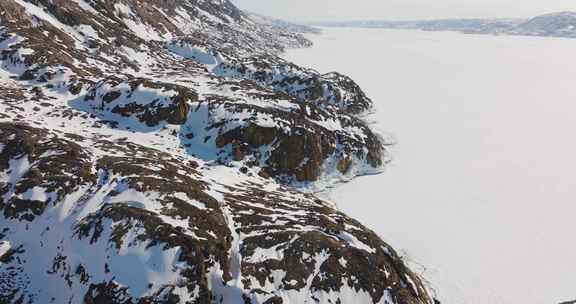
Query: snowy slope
pixel 149 153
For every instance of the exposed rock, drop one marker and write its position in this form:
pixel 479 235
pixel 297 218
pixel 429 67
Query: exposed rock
pixel 46 170
pixel 154 202
pixel 150 102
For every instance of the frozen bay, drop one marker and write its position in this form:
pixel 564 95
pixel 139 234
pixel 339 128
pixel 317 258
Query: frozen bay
pixel 482 187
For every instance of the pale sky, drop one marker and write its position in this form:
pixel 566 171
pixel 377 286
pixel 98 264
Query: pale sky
pixel 322 10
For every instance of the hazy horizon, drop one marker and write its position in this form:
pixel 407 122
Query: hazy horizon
pixel 340 10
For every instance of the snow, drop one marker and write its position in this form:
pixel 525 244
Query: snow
pixel 143 265
pixel 195 203
pixel 354 242
pixel 137 262
pixel 17 169
pixel 137 26
pixel 40 13
pixel 37 194
pixel 4 247
pixel 261 255
pixel 88 31
pixel 123 9
pixel 482 184
pixel 85 6
pixel 197 53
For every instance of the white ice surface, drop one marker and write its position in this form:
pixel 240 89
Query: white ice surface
pixel 481 190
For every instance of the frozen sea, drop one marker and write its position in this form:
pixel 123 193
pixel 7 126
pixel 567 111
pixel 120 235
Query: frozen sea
pixel 482 187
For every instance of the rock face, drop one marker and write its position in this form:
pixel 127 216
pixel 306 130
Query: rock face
pixel 153 152
pixel 149 102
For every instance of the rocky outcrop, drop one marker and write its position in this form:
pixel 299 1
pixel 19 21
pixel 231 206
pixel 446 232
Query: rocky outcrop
pixel 332 91
pixel 152 152
pixel 150 102
pixel 37 165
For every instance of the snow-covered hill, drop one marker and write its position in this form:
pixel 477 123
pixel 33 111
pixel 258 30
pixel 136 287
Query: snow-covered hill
pixel 549 25
pixel 150 152
pixel 285 25
pixel 554 25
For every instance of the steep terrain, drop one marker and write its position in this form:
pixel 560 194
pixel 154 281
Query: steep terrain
pixel 150 152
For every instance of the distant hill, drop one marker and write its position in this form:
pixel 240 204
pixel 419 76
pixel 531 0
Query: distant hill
pixel 465 25
pixel 283 25
pixel 554 25
pixel 550 25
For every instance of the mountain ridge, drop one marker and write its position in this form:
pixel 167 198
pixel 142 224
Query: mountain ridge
pixel 151 152
pixel 561 24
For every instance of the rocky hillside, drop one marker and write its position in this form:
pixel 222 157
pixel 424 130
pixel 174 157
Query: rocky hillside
pixel 153 152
